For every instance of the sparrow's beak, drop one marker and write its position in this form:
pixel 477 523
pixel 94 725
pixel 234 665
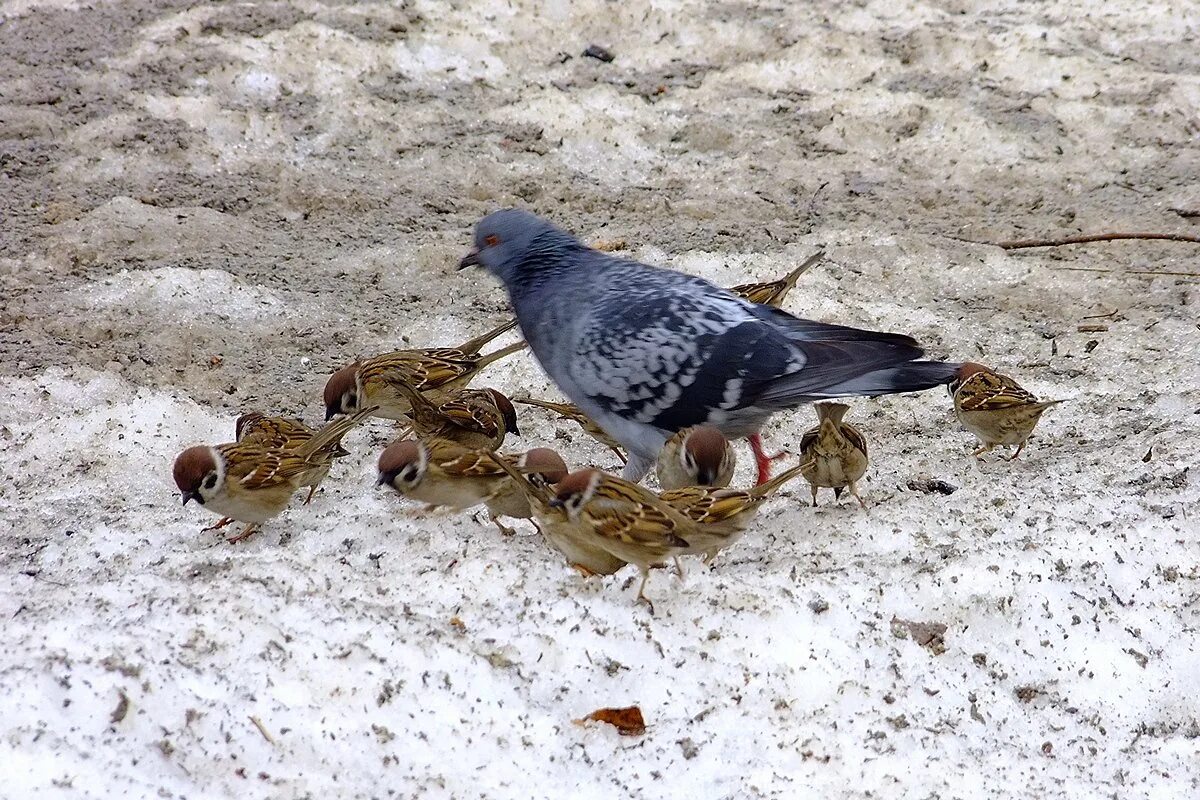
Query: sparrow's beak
pixel 189 496
pixel 706 477
pixel 556 503
pixel 471 259
pixel 384 477
pixel 511 427
pixel 331 412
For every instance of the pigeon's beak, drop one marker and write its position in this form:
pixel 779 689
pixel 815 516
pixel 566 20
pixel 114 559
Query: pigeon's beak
pixel 189 496
pixel 471 259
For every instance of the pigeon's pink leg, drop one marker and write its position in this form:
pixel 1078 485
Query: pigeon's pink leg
pixel 761 459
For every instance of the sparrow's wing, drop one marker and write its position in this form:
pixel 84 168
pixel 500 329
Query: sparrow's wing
pixel 989 391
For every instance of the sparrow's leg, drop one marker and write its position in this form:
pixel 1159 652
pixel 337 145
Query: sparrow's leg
pixel 814 494
pixel 584 571
pixel 246 533
pixel 311 491
pixel 761 459
pixel 642 591
pixel 987 448
pixel 679 567
pixel 504 529
pixel 221 523
pixel 1020 447
pixel 857 496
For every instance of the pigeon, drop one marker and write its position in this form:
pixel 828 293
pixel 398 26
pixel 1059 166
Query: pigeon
pixel 646 351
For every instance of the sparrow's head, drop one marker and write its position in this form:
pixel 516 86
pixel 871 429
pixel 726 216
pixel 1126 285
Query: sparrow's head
pixel 246 422
pixel 402 465
pixel 575 490
pixel 966 370
pixel 341 392
pixel 506 240
pixel 705 454
pixel 507 411
pixel 544 465
pixel 199 474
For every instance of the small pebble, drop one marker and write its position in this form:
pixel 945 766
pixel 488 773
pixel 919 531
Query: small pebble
pixel 600 53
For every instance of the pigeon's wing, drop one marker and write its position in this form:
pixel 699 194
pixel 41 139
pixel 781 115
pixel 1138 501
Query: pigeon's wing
pixel 674 356
pixel 684 352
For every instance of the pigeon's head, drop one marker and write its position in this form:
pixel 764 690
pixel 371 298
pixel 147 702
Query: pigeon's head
pixel 503 240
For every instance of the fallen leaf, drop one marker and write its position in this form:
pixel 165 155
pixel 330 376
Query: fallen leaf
pixel 627 721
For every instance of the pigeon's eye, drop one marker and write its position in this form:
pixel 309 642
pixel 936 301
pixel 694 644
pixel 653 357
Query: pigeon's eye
pixel 491 240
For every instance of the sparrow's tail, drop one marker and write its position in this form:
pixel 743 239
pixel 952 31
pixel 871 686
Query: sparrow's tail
pixel 496 355
pixel 472 346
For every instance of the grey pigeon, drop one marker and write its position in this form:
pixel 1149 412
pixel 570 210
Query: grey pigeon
pixel 646 351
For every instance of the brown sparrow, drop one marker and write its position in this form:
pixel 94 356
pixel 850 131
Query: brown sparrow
pixel 772 293
pixel 571 413
pixel 995 408
pixel 434 372
pixel 473 418
pixel 572 538
pixel 283 433
pixel 541 467
pixel 699 456
pixel 726 511
pixel 250 483
pixel 631 522
pixel 835 451
pixel 441 473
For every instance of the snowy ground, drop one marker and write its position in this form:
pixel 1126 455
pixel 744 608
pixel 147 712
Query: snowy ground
pixel 208 206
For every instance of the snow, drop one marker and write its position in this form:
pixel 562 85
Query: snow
pixel 306 183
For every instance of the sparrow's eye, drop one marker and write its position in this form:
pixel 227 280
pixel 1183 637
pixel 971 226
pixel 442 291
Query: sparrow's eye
pixel 409 473
pixel 210 481
pixel 491 240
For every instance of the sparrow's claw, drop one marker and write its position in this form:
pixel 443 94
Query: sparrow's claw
pixel 221 523
pixel 245 534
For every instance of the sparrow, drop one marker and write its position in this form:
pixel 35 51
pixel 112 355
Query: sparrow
pixel 646 352
pixel 571 413
pixel 631 522
pixel 572 538
pixel 699 456
pixel 283 433
pixel 252 483
pixel 773 293
pixel 473 418
pixel 835 451
pixel 995 408
pixel 726 511
pixel 434 372
pixel 441 473
pixel 539 467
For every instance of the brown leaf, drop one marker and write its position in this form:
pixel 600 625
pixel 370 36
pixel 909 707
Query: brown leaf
pixel 627 721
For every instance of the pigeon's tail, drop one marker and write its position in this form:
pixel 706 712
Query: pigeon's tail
pixel 912 376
